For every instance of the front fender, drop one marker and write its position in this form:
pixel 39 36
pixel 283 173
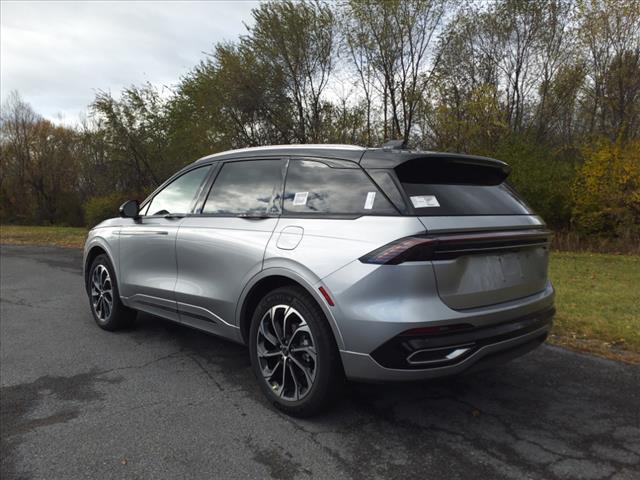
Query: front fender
pixel 108 240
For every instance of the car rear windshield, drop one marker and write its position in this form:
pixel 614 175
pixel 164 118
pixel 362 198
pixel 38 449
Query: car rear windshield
pixel 450 187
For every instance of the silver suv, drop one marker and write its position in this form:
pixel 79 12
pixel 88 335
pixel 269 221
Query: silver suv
pixel 331 261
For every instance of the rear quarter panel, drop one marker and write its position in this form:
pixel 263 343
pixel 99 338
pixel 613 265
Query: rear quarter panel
pixel 326 246
pixel 329 244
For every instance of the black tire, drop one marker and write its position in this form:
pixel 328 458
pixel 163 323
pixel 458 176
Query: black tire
pixel 327 367
pixel 117 316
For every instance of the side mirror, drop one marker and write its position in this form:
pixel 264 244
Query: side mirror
pixel 130 209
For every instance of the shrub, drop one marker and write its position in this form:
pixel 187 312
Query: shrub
pixel 606 192
pixel 542 176
pixel 97 209
pixel 68 210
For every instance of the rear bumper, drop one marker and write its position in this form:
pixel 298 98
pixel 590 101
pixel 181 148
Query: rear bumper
pixel 483 347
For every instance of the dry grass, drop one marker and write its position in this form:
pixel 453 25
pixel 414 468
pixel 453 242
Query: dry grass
pixel 574 242
pixel 27 235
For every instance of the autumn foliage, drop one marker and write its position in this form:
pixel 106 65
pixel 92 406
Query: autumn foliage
pixel 550 86
pixel 606 191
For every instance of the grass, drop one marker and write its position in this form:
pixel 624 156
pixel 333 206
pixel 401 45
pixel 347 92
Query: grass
pixel 27 235
pixel 598 295
pixel 598 303
pixel 626 243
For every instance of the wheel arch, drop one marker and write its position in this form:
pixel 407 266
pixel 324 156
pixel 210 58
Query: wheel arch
pixel 97 248
pixel 268 280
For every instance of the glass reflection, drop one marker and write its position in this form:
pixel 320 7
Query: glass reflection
pixel 337 191
pixel 178 195
pixel 246 188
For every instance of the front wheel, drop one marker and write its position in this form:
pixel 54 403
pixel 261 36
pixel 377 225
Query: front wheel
pixel 107 309
pixel 293 352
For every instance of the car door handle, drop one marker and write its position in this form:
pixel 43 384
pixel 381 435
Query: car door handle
pixel 173 216
pixel 253 217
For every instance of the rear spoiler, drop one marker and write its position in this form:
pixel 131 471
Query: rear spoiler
pixel 392 158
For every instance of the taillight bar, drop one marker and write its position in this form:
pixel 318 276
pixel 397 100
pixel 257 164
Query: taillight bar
pixel 446 246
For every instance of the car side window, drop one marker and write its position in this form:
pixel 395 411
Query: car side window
pixel 315 188
pixel 178 196
pixel 252 187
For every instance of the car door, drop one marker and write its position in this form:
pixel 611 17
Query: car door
pixel 147 245
pixel 222 246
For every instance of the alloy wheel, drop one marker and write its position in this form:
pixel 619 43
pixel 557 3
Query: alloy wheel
pixel 286 352
pixel 101 293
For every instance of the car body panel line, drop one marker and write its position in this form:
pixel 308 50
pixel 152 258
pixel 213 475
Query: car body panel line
pixel 188 308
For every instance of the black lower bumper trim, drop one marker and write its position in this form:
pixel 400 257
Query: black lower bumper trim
pixel 503 356
pixel 445 349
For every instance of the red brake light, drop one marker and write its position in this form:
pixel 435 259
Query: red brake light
pixel 451 245
pixel 396 252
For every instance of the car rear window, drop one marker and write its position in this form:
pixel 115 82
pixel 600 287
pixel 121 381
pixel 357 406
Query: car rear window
pixel 448 187
pixel 314 188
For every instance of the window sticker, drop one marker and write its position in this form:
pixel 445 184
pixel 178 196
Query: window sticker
pixel 300 198
pixel 424 201
pixel 368 203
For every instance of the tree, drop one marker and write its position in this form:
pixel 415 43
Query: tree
pixel 556 48
pixel 535 83
pixel 395 39
pixel 39 181
pixel 607 190
pixel 609 33
pixel 297 39
pixel 135 128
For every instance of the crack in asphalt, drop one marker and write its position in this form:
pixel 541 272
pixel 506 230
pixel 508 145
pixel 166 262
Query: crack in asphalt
pixel 206 372
pixel 141 366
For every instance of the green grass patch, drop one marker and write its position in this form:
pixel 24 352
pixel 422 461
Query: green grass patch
pixel 28 235
pixel 598 302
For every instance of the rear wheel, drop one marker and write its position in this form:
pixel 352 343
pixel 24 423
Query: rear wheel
pixel 107 309
pixel 293 352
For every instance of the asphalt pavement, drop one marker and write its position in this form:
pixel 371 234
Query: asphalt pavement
pixel 163 401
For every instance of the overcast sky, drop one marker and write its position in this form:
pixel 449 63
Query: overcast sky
pixel 58 54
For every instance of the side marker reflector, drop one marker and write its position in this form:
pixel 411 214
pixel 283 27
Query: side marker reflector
pixel 326 296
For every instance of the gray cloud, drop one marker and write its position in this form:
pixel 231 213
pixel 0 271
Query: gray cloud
pixel 58 54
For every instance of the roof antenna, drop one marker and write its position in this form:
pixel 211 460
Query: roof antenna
pixel 395 145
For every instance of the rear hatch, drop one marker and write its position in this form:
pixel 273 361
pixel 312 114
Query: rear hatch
pixel 485 243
